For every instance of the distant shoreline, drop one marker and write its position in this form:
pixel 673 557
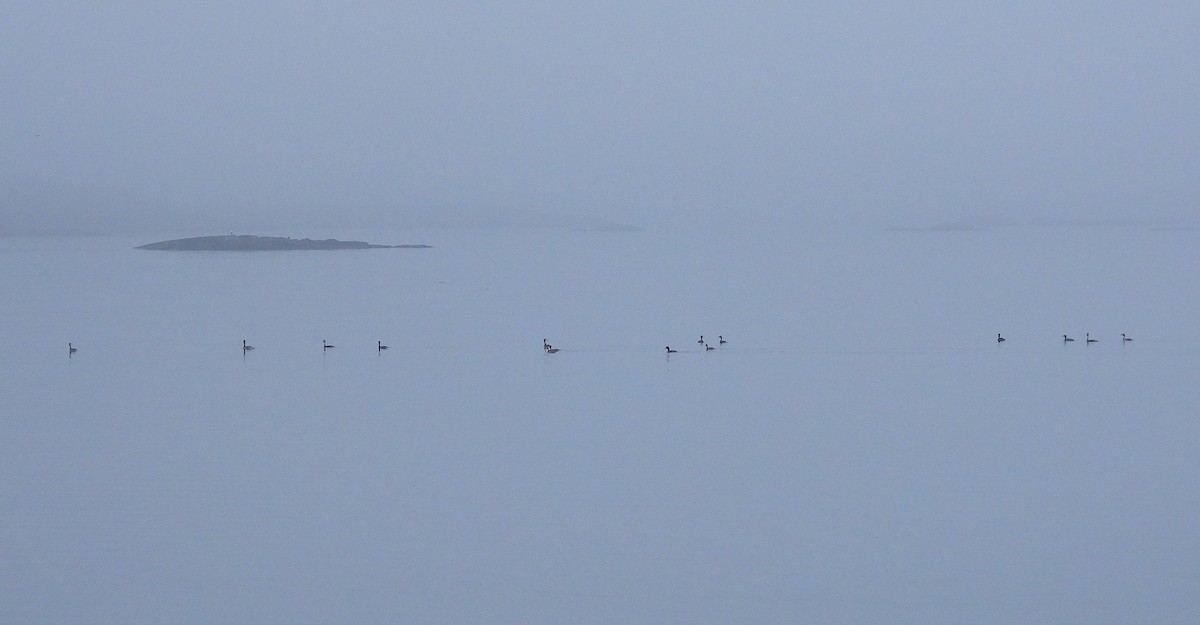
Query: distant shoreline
pixel 251 243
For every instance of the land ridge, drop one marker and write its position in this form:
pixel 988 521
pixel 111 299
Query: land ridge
pixel 251 243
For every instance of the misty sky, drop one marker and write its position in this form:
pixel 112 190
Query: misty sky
pixel 223 115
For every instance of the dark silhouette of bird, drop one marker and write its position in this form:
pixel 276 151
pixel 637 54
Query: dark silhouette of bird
pixel 1067 339
pixel 71 349
pixel 1087 336
pixel 379 346
pixel 708 348
pixel 246 347
pixel 721 340
pixel 325 345
pixel 671 351
pixel 1125 338
pixel 701 341
pixel 999 339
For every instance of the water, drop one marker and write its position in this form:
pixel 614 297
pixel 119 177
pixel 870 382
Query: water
pixel 861 451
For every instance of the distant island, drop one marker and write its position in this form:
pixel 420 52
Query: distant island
pixel 251 243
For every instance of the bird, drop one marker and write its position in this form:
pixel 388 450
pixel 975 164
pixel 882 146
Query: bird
pixel 721 340
pixel 708 348
pixel 1087 336
pixel 71 349
pixel 701 341
pixel 999 339
pixel 245 347
pixel 671 351
pixel 546 346
pixel 1125 338
pixel 325 345
pixel 380 346
pixel 1067 339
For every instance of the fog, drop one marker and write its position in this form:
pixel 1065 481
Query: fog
pixel 859 196
pixel 136 116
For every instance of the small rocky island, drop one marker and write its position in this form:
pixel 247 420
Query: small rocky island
pixel 251 243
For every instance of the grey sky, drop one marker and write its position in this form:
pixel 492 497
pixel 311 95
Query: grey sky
pixel 138 114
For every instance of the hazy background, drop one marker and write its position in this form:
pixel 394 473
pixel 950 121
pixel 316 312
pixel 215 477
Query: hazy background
pixel 821 184
pixel 135 116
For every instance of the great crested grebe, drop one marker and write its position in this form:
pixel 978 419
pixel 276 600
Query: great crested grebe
pixel 999 339
pixel 71 349
pixel 672 351
pixel 708 348
pixel 1125 338
pixel 721 340
pixel 325 345
pixel 379 346
pixel 246 347
pixel 1067 339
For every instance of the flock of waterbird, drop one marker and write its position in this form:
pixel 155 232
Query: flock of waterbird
pixel 1087 338
pixel 708 348
pixel 550 349
pixel 246 347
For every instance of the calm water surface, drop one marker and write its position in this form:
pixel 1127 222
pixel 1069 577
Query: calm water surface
pixel 861 451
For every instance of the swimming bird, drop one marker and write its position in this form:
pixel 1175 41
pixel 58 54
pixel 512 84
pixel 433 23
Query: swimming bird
pixel 1067 339
pixel 999 339
pixel 380 346
pixel 1125 338
pixel 245 347
pixel 708 348
pixel 325 345
pixel 546 346
pixel 672 351
pixel 701 341
pixel 1087 336
pixel 71 349
pixel 721 340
